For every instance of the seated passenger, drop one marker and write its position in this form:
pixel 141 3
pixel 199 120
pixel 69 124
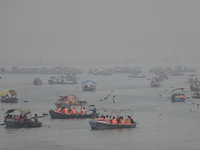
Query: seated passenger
pixel 96 118
pixel 114 121
pixel 60 110
pixel 121 121
pixel 66 110
pixel 128 120
pixel 102 118
pixel 73 111
pixel 106 119
pixel 83 111
pixel 16 117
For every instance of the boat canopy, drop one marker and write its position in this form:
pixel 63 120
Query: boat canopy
pixel 3 93
pixel 87 81
pixel 178 89
pixel 22 110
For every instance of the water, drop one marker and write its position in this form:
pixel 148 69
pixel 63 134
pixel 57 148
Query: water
pixel 172 127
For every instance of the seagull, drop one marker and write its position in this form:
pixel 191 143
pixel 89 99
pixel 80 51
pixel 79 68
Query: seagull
pixel 159 115
pixel 92 98
pixel 157 108
pixel 113 99
pixel 191 108
pixel 103 99
pixel 77 87
pixel 197 106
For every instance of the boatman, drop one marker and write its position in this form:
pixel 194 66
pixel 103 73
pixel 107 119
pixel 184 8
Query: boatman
pixel 36 117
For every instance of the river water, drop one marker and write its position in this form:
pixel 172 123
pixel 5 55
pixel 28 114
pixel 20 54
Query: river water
pixel 172 127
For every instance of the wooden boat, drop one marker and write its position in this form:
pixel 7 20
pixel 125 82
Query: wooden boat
pixel 178 95
pixel 37 81
pixel 176 73
pixel 195 86
pixel 54 80
pixel 155 84
pixel 196 95
pixel 135 75
pixel 89 85
pixel 9 96
pixel 98 125
pixel 192 78
pixel 56 115
pixel 15 123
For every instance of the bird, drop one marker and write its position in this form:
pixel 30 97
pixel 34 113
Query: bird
pixel 192 108
pixel 157 108
pixel 77 87
pixel 113 99
pixel 159 115
pixel 2 108
pixel 197 106
pixel 103 99
pixel 92 98
pixel 160 95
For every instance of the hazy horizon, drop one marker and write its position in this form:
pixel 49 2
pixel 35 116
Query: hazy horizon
pixel 41 33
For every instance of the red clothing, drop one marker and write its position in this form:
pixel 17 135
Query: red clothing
pixel 114 121
pixel 74 111
pixel 83 111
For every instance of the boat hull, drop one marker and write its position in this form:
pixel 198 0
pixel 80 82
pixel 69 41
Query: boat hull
pixel 136 76
pixel 99 125
pixel 9 100
pixel 32 124
pixel 52 82
pixel 11 123
pixel 178 99
pixel 56 115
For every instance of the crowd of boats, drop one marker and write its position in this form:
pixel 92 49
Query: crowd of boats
pixel 69 106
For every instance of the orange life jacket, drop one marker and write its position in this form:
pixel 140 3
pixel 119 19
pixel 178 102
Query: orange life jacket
pixel 128 121
pixel 74 111
pixel 114 121
pixel 66 111
pixel 82 111
pixel 182 96
pixel 96 119
pixel 16 117
pixel 59 110
pixel 102 119
pixel 121 122
pixel 106 120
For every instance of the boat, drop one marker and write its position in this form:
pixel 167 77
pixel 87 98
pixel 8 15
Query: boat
pixel 37 81
pixel 196 95
pixel 89 85
pixel 20 123
pixel 60 80
pixel 195 86
pixel 192 78
pixel 178 95
pixel 135 75
pixel 9 96
pixel 154 83
pixel 99 125
pixel 176 73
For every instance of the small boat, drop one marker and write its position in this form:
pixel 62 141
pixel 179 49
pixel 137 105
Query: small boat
pixel 155 84
pixel 195 86
pixel 56 115
pixel 9 96
pixel 192 78
pixel 135 75
pixel 89 85
pixel 98 125
pixel 21 122
pixel 176 73
pixel 54 80
pixel 196 95
pixel 37 81
pixel 178 95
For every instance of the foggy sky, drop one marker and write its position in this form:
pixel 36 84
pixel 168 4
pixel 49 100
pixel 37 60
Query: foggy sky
pixel 99 31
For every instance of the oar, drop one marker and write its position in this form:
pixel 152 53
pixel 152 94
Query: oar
pixel 2 124
pixel 23 100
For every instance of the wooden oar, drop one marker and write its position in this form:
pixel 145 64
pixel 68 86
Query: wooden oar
pixel 23 100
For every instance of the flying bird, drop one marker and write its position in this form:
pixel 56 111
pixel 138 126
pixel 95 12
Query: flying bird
pixel 113 99
pixel 157 108
pixel 92 98
pixel 192 108
pixel 103 99
pixel 197 106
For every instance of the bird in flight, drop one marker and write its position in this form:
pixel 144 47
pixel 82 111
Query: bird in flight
pixel 113 99
pixel 103 99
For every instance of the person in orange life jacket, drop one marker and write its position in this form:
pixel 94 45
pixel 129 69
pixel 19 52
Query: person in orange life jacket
pixel 102 118
pixel 66 110
pixel 128 120
pixel 114 121
pixel 106 119
pixel 60 110
pixel 16 117
pixel 83 111
pixel 121 121
pixel 74 111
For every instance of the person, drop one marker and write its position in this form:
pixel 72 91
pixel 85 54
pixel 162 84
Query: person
pixel 96 118
pixel 36 117
pixel 25 118
pixel 60 110
pixel 13 96
pixel 6 96
pixel 94 111
pixel 114 121
pixel 128 120
pixel 118 119
pixel 7 116
pixel 21 119
pixel 83 111
pixel 132 121
pixel 121 121
pixel 110 118
pixel 74 111
pixel 106 119
pixel 102 118
pixel 66 110
pixel 16 117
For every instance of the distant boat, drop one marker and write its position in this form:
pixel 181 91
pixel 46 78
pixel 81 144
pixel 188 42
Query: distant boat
pixel 37 81
pixel 155 84
pixel 54 80
pixel 195 86
pixel 196 95
pixel 9 96
pixel 89 85
pixel 135 75
pixel 178 95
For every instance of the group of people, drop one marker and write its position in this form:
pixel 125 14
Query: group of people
pixel 119 120
pixel 69 111
pixel 22 118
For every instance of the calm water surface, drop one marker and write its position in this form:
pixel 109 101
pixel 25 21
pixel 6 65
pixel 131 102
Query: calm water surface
pixel 172 127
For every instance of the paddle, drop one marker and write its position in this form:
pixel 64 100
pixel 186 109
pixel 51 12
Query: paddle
pixel 2 124
pixel 23 100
